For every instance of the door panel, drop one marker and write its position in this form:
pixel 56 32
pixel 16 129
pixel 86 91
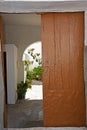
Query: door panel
pixel 63 70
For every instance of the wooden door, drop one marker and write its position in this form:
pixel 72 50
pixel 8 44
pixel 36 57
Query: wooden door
pixel 2 51
pixel 63 69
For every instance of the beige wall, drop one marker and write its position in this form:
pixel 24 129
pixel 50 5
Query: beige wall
pixel 22 37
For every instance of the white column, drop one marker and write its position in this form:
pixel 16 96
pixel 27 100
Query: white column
pixel 11 55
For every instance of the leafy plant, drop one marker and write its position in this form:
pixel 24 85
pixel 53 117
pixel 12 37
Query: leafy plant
pixel 22 88
pixel 38 72
pixel 30 74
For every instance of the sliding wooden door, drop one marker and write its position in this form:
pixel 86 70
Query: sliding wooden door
pixel 63 69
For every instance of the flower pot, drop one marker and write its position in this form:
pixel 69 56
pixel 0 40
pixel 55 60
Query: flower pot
pixel 21 96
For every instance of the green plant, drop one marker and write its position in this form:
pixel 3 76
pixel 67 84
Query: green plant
pixel 38 72
pixel 22 88
pixel 30 75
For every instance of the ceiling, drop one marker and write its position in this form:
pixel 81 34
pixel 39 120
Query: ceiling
pixel 21 19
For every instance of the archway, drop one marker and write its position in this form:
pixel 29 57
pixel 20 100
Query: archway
pixel 32 58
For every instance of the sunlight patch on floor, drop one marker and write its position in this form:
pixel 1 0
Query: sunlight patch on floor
pixel 35 93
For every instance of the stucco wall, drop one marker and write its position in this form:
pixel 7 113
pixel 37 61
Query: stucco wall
pixel 26 6
pixel 22 37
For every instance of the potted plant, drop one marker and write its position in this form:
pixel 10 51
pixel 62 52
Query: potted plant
pixel 21 89
pixel 38 72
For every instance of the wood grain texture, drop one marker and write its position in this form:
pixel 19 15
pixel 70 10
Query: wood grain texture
pixel 63 70
pixel 2 50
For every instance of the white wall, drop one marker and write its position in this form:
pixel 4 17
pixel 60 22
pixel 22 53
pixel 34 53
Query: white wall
pixel 26 6
pixel 85 27
pixel 22 37
pixel 11 54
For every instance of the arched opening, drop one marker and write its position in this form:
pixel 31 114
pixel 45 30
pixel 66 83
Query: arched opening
pixel 32 58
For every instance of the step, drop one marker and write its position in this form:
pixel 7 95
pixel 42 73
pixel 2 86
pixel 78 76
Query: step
pixel 50 128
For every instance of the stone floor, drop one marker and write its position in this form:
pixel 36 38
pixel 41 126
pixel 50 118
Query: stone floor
pixel 25 114
pixel 29 112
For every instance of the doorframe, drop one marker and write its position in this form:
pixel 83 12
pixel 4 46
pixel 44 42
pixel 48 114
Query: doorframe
pixel 3 79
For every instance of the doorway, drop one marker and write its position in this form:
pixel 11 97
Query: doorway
pixel 32 58
pixel 56 65
pixel 24 35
